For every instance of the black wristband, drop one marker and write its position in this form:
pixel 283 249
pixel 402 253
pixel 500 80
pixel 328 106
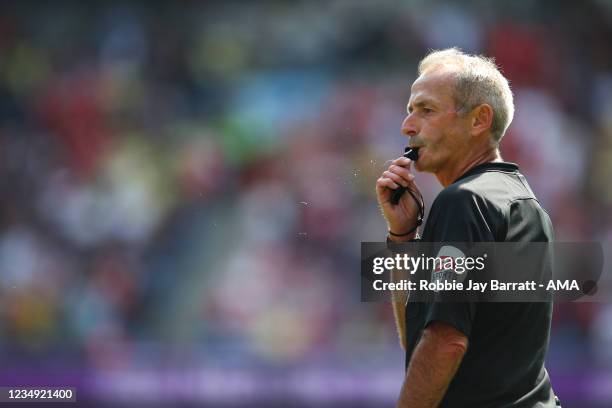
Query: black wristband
pixel 407 233
pixel 417 238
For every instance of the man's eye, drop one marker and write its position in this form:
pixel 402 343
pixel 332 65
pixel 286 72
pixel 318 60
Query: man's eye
pixel 427 110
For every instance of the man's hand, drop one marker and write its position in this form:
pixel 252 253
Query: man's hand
pixel 402 217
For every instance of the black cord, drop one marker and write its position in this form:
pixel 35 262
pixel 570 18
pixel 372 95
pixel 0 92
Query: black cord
pixel 418 199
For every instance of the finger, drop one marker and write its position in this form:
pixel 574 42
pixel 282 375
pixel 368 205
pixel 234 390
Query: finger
pixel 396 178
pixel 402 161
pixel 388 183
pixel 385 182
pixel 403 172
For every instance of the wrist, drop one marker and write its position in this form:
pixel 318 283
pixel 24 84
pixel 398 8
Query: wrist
pixel 404 235
pixel 403 238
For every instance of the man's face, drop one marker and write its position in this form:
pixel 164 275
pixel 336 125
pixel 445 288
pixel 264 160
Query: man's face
pixel 433 123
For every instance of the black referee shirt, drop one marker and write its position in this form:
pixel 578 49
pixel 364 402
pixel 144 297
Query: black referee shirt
pixel 504 363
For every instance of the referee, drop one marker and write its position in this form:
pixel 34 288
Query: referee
pixel 467 354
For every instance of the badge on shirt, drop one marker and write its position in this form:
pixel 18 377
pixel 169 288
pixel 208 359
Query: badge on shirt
pixel 449 265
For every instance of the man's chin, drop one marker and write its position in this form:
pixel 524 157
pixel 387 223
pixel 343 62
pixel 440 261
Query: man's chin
pixel 424 167
pixel 420 166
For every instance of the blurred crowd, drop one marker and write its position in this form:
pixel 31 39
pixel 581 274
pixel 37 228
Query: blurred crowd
pixel 189 182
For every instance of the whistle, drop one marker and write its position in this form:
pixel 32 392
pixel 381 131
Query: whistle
pixel 412 154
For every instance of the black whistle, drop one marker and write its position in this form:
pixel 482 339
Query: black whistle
pixel 412 154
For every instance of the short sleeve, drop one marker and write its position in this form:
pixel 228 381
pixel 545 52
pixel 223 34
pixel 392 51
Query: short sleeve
pixel 458 216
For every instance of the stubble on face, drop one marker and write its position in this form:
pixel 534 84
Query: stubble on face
pixel 441 132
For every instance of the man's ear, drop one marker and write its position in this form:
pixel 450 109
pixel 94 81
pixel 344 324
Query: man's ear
pixel 482 119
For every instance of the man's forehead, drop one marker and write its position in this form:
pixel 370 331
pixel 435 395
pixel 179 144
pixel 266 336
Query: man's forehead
pixel 434 79
pixel 437 84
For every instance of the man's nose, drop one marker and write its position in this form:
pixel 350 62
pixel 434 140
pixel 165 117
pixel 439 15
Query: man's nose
pixel 409 127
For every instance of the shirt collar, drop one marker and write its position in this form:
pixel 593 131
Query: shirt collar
pixel 481 168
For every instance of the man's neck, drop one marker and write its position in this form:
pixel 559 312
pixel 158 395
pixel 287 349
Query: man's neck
pixel 449 176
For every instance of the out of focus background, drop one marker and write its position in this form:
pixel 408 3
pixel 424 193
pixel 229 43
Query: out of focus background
pixel 185 186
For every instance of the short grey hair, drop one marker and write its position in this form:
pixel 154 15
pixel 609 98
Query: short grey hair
pixel 479 81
